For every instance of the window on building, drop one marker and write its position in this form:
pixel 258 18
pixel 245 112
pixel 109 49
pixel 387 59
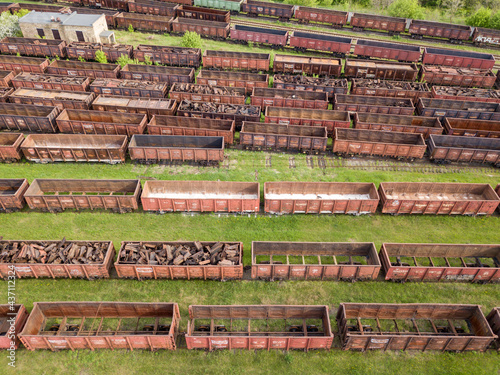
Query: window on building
pixel 56 34
pixel 80 37
pixel 40 32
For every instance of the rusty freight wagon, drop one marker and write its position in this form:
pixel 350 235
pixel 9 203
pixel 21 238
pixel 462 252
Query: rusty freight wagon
pixel 84 69
pixel 437 198
pixel 255 8
pixel 393 123
pixel 449 76
pixel 457 58
pixel 57 195
pixel 314 261
pixel 238 113
pixel 201 196
pixel 483 36
pixel 257 135
pixel 319 15
pixel 251 327
pixel 245 34
pixel 206 14
pixel 33 47
pixel 472 127
pixel 170 260
pixel 10 147
pixel 76 121
pixel 233 79
pixel 12 319
pixel 56 259
pixel 9 7
pixel 308 117
pixel 458 108
pixel 494 322
pixel 450 148
pixel 232 5
pixel 373 104
pixel 339 46
pixel 5 93
pixel 12 194
pixel 6 77
pixel 50 82
pixel 110 14
pixel 153 7
pixel 150 149
pixel 290 64
pixel 209 29
pixel 413 326
pixel 166 55
pixel 101 325
pixel 43 8
pixel 25 117
pixel 108 4
pixel 440 262
pixel 154 73
pixel 353 198
pixel 144 22
pixel 390 51
pixel 402 146
pixel 128 87
pixel 236 60
pixel 148 106
pixel 456 33
pixel 394 89
pixel 289 98
pixel 20 64
pixel 465 93
pixel 189 126
pixel 389 70
pixel 206 93
pixel 303 83
pixel 45 148
pixel 54 98
pixel 87 50
pixel 392 25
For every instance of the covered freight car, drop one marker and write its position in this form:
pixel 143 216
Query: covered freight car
pixel 12 194
pixel 394 123
pixel 26 117
pixel 165 55
pixel 10 147
pixel 462 59
pixel 334 18
pixel 303 41
pixel 209 29
pixel 236 60
pixel 255 8
pixel 456 33
pixel 33 47
pixel 291 64
pixel 390 51
pixel 395 71
pixel 245 34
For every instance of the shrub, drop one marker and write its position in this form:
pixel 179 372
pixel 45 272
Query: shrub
pixel 495 21
pixel 130 28
pixel 147 60
pixel 80 58
pixel 100 57
pixel 406 9
pixel 191 40
pixel 124 60
pixel 480 18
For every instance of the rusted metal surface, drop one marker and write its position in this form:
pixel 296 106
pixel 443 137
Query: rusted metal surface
pixel 108 4
pixel 471 127
pixel 233 79
pixel 33 47
pixel 51 82
pixel 382 50
pixel 482 36
pixel 180 260
pixel 314 261
pixel 238 113
pixel 457 58
pixel 257 135
pixel 207 93
pixel 83 69
pixel 57 195
pixel 157 8
pixel 9 331
pixel 101 325
pixel 446 148
pixel 201 196
pixel 206 14
pixel 148 106
pixel 56 259
pixel 308 117
pixel 189 126
pixel 20 64
pixel 75 121
pixel 394 89
pixel 471 94
pixel 303 41
pixel 6 77
pixel 458 108
pixel 255 8
pixel 395 71
pixel 43 8
pixel 10 146
pixel 440 262
pixel 12 194
pixel 437 75
pixel 259 35
pixel 9 7
pixel 391 123
pixel 252 327
pixel 318 15
pixel 110 14
pixel 236 60
pixel 169 55
pixel 25 117
pixel 380 143
pixel 373 104
pixel 415 326
pixel 44 148
pixel 53 98
pixel 291 64
pixel 129 87
pixel 494 322
pixel 144 22
pixel 158 148
pixel 305 83
pixel 166 74
pixel 267 97
pixel 210 29
pixel 87 50
pixel 439 30
pixel 393 25
pixel 320 197
pixel 437 198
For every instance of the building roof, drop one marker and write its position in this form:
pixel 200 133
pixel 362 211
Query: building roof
pixel 73 19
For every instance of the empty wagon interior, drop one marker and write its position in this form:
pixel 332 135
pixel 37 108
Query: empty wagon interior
pixel 83 187
pixel 10 186
pixel 291 130
pixel 237 55
pixel 201 190
pixel 237 76
pixel 82 65
pixel 290 94
pixel 375 136
pixel 157 69
pixel 101 117
pixel 320 190
pixel 371 43
pixel 52 94
pixel 176 141
pixel 22 60
pixel 9 139
pixel 291 59
pixel 324 37
pixel 259 30
pixel 319 253
pixel 460 105
pixel 192 122
pixel 7 312
pixel 25 110
pixel 451 52
pixel 75 141
pixel 475 143
pixel 437 191
pixel 383 119
pixel 307 113
pixel 373 100
pixel 459 123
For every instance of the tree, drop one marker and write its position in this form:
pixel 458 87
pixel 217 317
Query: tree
pixel 9 25
pixel 191 40
pixel 454 6
pixel 304 3
pixel 100 57
pixel 481 18
pixel 495 21
pixel 406 9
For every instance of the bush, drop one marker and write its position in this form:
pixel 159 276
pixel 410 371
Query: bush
pixel 130 28
pixel 495 21
pixel 191 40
pixel 124 60
pixel 147 60
pixel 406 9
pixel 304 3
pixel 9 25
pixel 80 58
pixel 481 18
pixel 100 57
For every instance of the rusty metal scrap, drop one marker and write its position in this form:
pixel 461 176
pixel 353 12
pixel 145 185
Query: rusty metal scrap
pixel 206 89
pixel 180 255
pixel 314 81
pixel 186 51
pixel 462 91
pixel 455 71
pixel 382 84
pixel 31 77
pixel 149 85
pixel 188 105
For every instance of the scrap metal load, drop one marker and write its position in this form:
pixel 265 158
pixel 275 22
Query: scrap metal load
pixel 207 89
pixel 220 108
